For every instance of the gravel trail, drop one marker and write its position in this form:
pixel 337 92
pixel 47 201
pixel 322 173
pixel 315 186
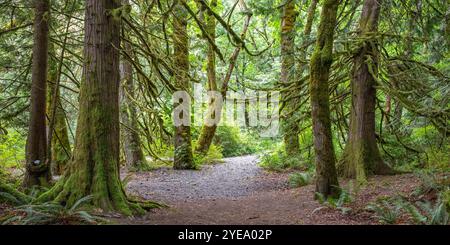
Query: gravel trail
pixel 236 177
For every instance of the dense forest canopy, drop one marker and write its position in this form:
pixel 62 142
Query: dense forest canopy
pixel 323 89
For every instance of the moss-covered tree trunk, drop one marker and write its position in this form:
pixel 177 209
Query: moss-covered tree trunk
pixel 37 166
pixel 303 65
pixel 326 177
pixel 289 123
pixel 361 155
pixel 131 142
pixel 94 167
pixel 183 158
pixel 60 145
pixel 208 131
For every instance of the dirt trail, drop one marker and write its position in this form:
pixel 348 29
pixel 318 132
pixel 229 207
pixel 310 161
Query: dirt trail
pixel 236 177
pixel 238 191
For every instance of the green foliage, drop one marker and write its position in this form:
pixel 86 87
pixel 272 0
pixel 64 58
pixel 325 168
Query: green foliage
pixel 52 213
pixel 300 179
pixel 234 142
pixel 338 203
pixel 214 155
pixel 12 149
pixel 278 160
pixel 426 213
pixel 386 211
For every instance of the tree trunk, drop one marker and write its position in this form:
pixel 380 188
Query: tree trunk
pixel 289 124
pixel 326 177
pixel 207 132
pixel 361 155
pixel 183 158
pixel 94 167
pixel 37 166
pixel 134 157
pixel 60 145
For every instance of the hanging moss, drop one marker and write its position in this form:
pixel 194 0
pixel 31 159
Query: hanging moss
pixel 183 158
pixel 326 177
pixel 289 123
pixel 361 156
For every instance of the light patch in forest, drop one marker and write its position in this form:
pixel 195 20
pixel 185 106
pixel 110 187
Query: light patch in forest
pixel 256 109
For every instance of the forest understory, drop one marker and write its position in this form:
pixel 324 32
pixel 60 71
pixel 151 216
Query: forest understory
pixel 224 112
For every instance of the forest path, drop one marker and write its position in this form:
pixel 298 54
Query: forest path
pixel 238 191
pixel 235 177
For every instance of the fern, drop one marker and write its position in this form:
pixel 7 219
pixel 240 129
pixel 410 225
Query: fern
pixel 53 213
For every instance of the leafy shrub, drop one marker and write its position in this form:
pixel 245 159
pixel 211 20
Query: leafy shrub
pixel 300 179
pixel 214 155
pixel 345 197
pixel 277 160
pixel 12 149
pixel 233 142
pixel 426 213
pixel 386 211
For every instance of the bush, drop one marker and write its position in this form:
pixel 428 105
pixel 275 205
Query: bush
pixel 339 203
pixel 234 142
pixel 12 149
pixel 214 155
pixel 277 160
pixel 300 179
pixel 387 211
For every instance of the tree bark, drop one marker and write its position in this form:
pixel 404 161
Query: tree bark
pixel 207 132
pixel 361 155
pixel 94 167
pixel 326 177
pixel 134 157
pixel 37 166
pixel 183 158
pixel 289 124
pixel 60 145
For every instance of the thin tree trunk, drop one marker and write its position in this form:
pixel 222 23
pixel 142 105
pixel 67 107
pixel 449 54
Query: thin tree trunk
pixel 303 66
pixel 37 166
pixel 183 158
pixel 94 167
pixel 134 157
pixel 60 145
pixel 289 124
pixel 361 155
pixel 207 132
pixel 326 177
pixel 210 132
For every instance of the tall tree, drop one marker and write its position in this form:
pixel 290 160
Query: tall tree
pixel 322 57
pixel 290 125
pixel 207 132
pixel 183 158
pixel 37 166
pixel 94 167
pixel 58 148
pixel 131 142
pixel 60 145
pixel 361 155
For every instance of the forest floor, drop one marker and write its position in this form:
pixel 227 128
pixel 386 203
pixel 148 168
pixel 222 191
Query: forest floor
pixel 238 191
